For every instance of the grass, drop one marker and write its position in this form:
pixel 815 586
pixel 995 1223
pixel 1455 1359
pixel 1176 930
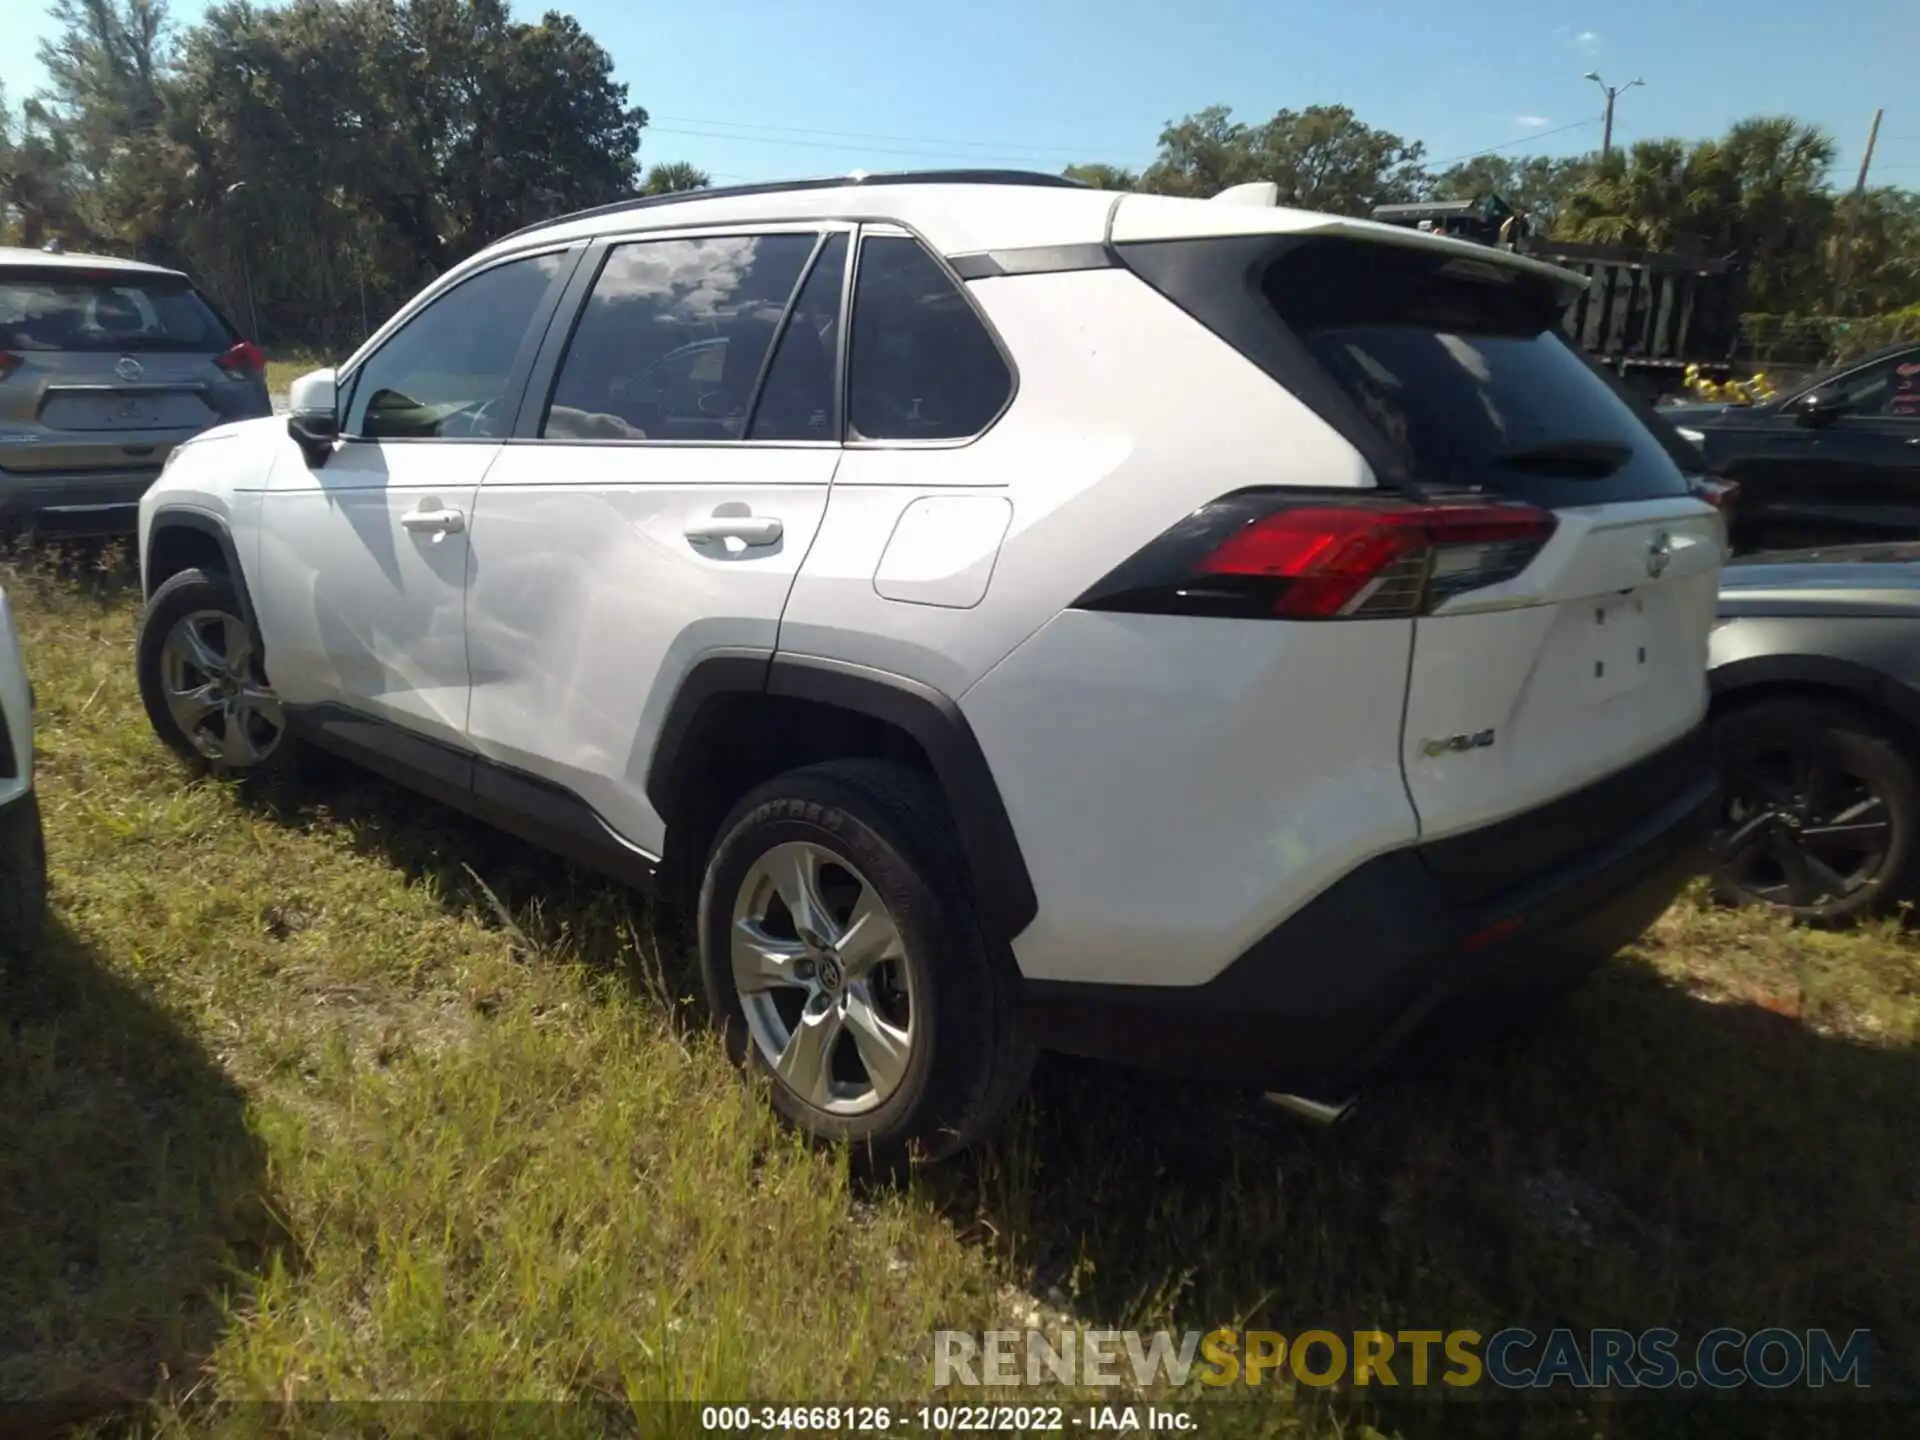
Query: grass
pixel 286 366
pixel 332 1094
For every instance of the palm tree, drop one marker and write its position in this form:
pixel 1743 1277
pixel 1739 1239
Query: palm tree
pixel 673 177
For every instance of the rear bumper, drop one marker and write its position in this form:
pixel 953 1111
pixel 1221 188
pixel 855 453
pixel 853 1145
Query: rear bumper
pixel 1331 997
pixel 86 500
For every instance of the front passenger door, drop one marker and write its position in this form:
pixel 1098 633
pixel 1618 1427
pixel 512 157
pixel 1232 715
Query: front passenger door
pixel 363 560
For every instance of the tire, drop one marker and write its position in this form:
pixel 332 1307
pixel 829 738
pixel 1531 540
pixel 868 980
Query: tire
pixel 235 691
pixel 1822 780
pixel 23 878
pixel 868 831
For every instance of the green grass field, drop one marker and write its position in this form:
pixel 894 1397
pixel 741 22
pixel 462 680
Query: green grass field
pixel 285 367
pixel 332 1094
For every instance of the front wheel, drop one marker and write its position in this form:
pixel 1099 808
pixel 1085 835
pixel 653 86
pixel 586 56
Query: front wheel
pixel 1821 812
pixel 201 680
pixel 844 959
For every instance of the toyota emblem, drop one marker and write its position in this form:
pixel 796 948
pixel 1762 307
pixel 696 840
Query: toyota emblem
pixel 1659 552
pixel 129 368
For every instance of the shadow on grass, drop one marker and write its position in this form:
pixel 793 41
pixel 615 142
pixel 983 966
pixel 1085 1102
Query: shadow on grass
pixel 1636 1158
pixel 132 1191
pixel 479 869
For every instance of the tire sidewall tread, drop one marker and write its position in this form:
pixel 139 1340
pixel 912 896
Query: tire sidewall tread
pixel 1857 733
pixel 178 596
pixel 970 1055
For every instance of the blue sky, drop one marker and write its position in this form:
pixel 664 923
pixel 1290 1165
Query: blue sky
pixel 753 90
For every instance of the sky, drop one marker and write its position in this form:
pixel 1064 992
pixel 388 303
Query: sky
pixel 755 90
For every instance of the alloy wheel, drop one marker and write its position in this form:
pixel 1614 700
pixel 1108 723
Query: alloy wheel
pixel 821 974
pixel 1804 829
pixel 210 677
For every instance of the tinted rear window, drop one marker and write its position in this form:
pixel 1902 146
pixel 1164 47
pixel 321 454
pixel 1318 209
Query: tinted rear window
pixel 1465 373
pixel 54 310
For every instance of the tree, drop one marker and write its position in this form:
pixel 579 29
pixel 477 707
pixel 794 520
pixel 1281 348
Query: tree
pixel 673 177
pixel 1103 177
pixel 381 141
pixel 1879 236
pixel 40 187
pixel 1321 158
pixel 1758 193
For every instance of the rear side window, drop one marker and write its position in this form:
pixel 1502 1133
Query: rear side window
pixel 670 343
pixel 922 365
pixel 66 310
pixel 1458 368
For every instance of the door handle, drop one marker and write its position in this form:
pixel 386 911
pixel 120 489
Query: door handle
pixel 748 529
pixel 441 522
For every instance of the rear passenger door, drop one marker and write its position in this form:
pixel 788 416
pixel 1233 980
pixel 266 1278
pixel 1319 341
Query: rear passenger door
pixel 666 479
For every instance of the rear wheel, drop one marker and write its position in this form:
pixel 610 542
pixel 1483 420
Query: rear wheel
pixel 1821 811
pixel 844 960
pixel 201 678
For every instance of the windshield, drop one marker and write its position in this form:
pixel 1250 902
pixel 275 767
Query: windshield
pixel 65 311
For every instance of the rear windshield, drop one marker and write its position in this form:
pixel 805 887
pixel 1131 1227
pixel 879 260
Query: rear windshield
pixel 51 310
pixel 1464 371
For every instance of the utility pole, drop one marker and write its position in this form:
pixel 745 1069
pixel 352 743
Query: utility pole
pixel 1843 271
pixel 1613 93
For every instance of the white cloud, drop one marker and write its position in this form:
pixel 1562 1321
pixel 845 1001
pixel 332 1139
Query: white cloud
pixel 1531 122
pixel 1587 40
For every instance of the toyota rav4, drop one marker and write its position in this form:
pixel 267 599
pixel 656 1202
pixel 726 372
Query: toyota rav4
pixel 1197 633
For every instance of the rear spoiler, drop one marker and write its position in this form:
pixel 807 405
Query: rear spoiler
pixel 1265 194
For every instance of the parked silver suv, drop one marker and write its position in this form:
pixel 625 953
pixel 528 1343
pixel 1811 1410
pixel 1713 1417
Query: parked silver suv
pixel 105 366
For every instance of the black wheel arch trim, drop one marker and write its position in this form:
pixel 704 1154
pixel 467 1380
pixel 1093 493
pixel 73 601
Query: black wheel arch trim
pixel 1848 678
pixel 1002 884
pixel 183 518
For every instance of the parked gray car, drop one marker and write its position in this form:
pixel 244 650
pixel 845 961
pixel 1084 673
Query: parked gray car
pixel 1816 679
pixel 105 366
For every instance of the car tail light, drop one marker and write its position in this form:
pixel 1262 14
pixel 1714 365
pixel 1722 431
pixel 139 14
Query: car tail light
pixel 1262 555
pixel 242 361
pixel 1718 493
pixel 9 362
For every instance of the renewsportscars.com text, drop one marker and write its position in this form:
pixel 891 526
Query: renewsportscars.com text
pixel 1510 1359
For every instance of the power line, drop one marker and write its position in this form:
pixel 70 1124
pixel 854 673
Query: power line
pixel 1511 144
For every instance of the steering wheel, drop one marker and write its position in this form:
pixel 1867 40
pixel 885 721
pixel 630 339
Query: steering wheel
pixel 471 421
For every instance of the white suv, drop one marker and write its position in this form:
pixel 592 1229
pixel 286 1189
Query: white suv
pixel 23 851
pixel 1203 634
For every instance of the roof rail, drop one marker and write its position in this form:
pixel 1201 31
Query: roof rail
pixel 828 182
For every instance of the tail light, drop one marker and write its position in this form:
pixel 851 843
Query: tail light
pixel 1261 555
pixel 9 362
pixel 242 361
pixel 1718 493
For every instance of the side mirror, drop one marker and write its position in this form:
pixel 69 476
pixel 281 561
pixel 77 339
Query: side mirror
pixel 1819 407
pixel 313 418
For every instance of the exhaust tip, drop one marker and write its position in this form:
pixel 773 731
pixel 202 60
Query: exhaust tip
pixel 1319 1112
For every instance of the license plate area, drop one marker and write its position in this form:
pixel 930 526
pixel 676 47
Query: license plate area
pixel 125 410
pixel 1619 646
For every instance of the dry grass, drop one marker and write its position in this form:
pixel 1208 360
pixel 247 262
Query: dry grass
pixel 289 1109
